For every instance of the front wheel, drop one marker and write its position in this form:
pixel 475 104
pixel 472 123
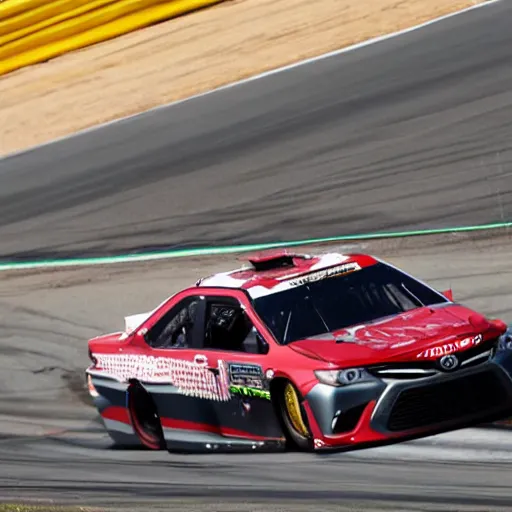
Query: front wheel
pixel 294 418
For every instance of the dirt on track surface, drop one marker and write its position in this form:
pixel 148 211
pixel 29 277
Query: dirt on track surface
pixel 189 55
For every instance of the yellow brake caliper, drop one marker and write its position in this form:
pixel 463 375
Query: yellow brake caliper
pixel 293 407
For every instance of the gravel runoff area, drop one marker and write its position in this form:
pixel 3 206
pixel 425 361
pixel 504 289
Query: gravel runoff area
pixel 189 55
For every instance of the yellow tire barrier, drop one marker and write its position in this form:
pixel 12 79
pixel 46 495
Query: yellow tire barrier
pixel 50 13
pixel 10 8
pixel 73 24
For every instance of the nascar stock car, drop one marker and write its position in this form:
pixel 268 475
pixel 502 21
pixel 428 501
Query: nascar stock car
pixel 301 352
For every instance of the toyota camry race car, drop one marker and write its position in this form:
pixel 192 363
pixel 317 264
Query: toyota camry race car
pixel 304 352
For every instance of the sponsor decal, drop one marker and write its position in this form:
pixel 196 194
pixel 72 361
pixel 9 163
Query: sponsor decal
pixel 248 375
pixel 246 391
pixel 325 274
pixel 403 343
pixel 450 348
pixel 361 335
pixel 248 381
pixel 319 443
pixel 191 378
pixel 198 380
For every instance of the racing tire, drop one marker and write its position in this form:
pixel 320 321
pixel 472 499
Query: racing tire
pixel 293 418
pixel 144 418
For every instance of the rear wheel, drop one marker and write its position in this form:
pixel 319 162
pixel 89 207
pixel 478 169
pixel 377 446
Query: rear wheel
pixel 294 418
pixel 144 418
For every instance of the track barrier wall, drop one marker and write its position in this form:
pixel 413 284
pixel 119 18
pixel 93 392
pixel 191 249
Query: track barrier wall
pixel 34 31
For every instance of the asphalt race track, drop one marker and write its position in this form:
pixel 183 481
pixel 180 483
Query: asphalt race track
pixel 413 132
pixel 52 446
pixel 422 123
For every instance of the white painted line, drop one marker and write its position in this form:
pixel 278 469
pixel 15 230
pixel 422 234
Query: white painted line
pixel 259 76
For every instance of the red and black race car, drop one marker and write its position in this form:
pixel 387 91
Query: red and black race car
pixel 308 352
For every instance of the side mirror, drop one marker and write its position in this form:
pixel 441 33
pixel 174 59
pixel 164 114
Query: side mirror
pixel 448 294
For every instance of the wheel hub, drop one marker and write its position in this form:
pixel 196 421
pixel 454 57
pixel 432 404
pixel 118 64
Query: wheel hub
pixel 293 409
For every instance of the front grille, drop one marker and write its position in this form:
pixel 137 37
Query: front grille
pixel 445 401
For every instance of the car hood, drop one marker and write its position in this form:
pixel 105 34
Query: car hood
pixel 420 334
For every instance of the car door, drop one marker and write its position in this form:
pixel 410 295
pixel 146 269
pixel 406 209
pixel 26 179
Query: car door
pixel 237 354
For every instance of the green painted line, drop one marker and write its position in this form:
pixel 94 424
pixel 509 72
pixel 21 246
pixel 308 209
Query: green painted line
pixel 211 251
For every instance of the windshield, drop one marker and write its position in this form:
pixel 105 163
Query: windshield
pixel 327 305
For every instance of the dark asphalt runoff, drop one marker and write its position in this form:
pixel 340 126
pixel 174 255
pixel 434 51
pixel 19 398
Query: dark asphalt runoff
pixel 414 132
pixel 53 447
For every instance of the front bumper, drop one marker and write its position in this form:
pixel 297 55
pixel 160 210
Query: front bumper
pixel 388 409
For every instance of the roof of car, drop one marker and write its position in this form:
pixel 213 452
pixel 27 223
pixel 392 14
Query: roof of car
pixel 273 271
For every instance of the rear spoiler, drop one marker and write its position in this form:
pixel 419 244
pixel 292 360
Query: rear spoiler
pixel 133 321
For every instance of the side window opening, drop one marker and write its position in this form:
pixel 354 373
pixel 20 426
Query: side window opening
pixel 228 327
pixel 174 329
